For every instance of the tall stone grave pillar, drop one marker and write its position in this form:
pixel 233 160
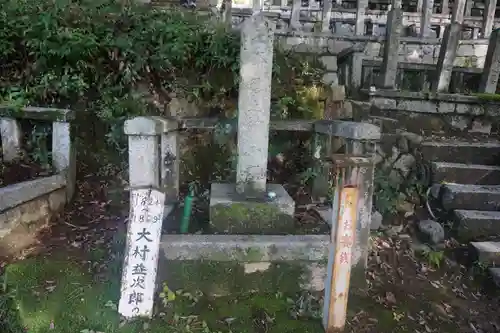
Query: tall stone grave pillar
pixel 252 205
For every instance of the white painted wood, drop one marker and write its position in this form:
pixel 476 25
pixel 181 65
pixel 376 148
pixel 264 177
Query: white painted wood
pixel 141 254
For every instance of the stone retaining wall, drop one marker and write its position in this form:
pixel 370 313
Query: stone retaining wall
pixel 27 207
pixel 437 113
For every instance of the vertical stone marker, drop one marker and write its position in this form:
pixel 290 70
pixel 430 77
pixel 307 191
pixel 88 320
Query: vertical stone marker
pixel 254 103
pixel 447 54
pixel 389 68
pixel 491 71
pixel 141 253
pixel 252 206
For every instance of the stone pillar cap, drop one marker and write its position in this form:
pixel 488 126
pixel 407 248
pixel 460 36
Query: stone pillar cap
pixel 152 125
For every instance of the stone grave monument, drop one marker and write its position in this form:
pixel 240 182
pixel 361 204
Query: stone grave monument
pixel 253 206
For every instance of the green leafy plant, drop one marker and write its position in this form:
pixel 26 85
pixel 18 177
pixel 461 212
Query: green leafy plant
pixel 434 258
pixel 386 193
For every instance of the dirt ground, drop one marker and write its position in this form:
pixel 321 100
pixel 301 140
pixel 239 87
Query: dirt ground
pixel 403 292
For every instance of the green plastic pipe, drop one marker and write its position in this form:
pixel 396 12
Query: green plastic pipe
pixel 188 209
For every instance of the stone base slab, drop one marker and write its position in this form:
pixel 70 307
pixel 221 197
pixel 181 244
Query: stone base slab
pixel 222 264
pixel 232 213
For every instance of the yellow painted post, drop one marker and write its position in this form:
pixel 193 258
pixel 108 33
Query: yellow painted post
pixel 343 236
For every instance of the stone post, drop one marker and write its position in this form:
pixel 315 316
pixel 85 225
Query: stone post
pixel 257 5
pixel 445 7
pixel 170 162
pixel 327 15
pixel 389 66
pixel 153 156
pixel 143 153
pixel 420 5
pixel 64 155
pixel 468 7
pixel 10 132
pixel 447 53
pixel 254 103
pixel 360 17
pixel 295 15
pixel 425 20
pixel 488 17
pixel 457 14
pixel 491 71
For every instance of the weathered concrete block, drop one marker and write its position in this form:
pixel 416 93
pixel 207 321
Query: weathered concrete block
pixel 473 224
pixel 467 152
pixel 20 224
pixel 477 174
pixel 477 197
pixel 486 252
pixel 223 264
pixel 233 213
pixel 16 194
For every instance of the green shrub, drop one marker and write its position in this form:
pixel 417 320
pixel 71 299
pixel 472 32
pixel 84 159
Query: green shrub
pixel 114 60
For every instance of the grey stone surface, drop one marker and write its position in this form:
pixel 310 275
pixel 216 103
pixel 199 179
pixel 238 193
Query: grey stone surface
pixel 425 22
pixel 376 222
pixel 486 252
pixel 431 231
pixel 232 212
pixel 149 126
pixel 477 197
pixel 435 190
pixel 251 248
pixel 254 103
pixel 461 151
pixel 11 135
pixel 495 274
pixel 447 54
pixel 473 224
pixel 348 129
pixel 391 48
pixel 27 217
pixel 475 174
pixel 64 154
pixel 16 194
pixel 243 262
pixel 490 7
pixel 36 113
pixel 491 73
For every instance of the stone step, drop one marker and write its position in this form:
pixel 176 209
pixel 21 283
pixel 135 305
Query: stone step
pixel 473 152
pixel 472 197
pixel 475 174
pixel 486 252
pixel 495 274
pixel 474 224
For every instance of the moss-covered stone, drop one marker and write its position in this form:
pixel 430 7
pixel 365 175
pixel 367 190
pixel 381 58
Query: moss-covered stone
pixel 250 218
pixel 224 278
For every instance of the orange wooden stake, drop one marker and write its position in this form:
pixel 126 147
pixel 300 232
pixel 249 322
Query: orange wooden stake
pixel 339 261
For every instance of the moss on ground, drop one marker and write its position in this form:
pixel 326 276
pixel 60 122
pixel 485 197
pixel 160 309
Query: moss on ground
pixel 250 218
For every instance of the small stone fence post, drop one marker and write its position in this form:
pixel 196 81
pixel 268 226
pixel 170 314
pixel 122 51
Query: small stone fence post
pixel 63 149
pixel 153 155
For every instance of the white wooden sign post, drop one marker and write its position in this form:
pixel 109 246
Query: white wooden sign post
pixel 141 254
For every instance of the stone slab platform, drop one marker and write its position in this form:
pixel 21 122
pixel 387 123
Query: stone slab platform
pixel 231 213
pixel 474 224
pixel 471 197
pixel 473 174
